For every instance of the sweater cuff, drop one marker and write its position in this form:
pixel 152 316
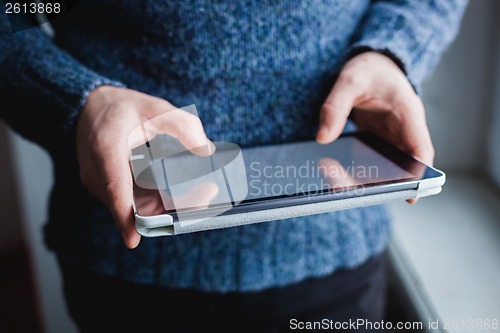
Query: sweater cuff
pixel 63 84
pixel 395 35
pixel 47 83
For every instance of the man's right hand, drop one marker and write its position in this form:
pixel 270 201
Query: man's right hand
pixel 107 120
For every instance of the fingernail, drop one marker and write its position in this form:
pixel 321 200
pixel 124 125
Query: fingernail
pixel 211 147
pixel 323 132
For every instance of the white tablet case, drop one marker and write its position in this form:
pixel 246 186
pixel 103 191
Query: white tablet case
pixel 231 159
pixel 164 225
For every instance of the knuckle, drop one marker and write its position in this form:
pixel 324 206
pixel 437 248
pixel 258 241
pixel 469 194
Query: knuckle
pixel 329 107
pixel 104 141
pixel 108 187
pixel 96 144
pixel 432 151
pixel 158 105
pixel 84 178
pixel 337 103
pixel 110 195
pixel 92 141
pixel 349 78
pixel 191 122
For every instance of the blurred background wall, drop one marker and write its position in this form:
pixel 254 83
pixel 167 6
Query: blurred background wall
pixel 494 136
pixel 463 103
pixel 459 96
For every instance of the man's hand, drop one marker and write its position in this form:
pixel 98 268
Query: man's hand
pixel 104 127
pixel 384 103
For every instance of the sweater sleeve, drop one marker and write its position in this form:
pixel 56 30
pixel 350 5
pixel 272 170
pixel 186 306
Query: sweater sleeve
pixel 43 88
pixel 414 33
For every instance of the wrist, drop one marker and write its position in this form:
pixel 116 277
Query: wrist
pixel 100 96
pixel 360 50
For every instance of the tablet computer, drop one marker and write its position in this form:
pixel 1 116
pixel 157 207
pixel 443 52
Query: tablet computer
pixel 176 191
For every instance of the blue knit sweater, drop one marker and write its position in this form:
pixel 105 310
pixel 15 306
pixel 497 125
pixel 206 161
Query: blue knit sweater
pixel 257 71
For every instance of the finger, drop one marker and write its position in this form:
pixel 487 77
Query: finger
pixel 183 126
pixel 336 109
pixel 118 186
pixel 178 124
pixel 148 202
pixel 415 135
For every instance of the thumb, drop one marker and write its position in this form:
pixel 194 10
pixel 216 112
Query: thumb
pixel 336 110
pixel 181 125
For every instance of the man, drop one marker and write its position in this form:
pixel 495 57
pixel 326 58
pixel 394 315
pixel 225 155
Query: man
pixel 259 73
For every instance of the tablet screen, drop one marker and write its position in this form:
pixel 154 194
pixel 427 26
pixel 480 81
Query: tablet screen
pixel 182 182
pixel 308 167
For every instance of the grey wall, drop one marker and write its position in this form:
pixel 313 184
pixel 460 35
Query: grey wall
pixel 459 99
pixel 459 95
pixel 11 231
pixel 34 180
pixel 494 145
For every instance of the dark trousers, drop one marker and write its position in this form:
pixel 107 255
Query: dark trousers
pixel 103 304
